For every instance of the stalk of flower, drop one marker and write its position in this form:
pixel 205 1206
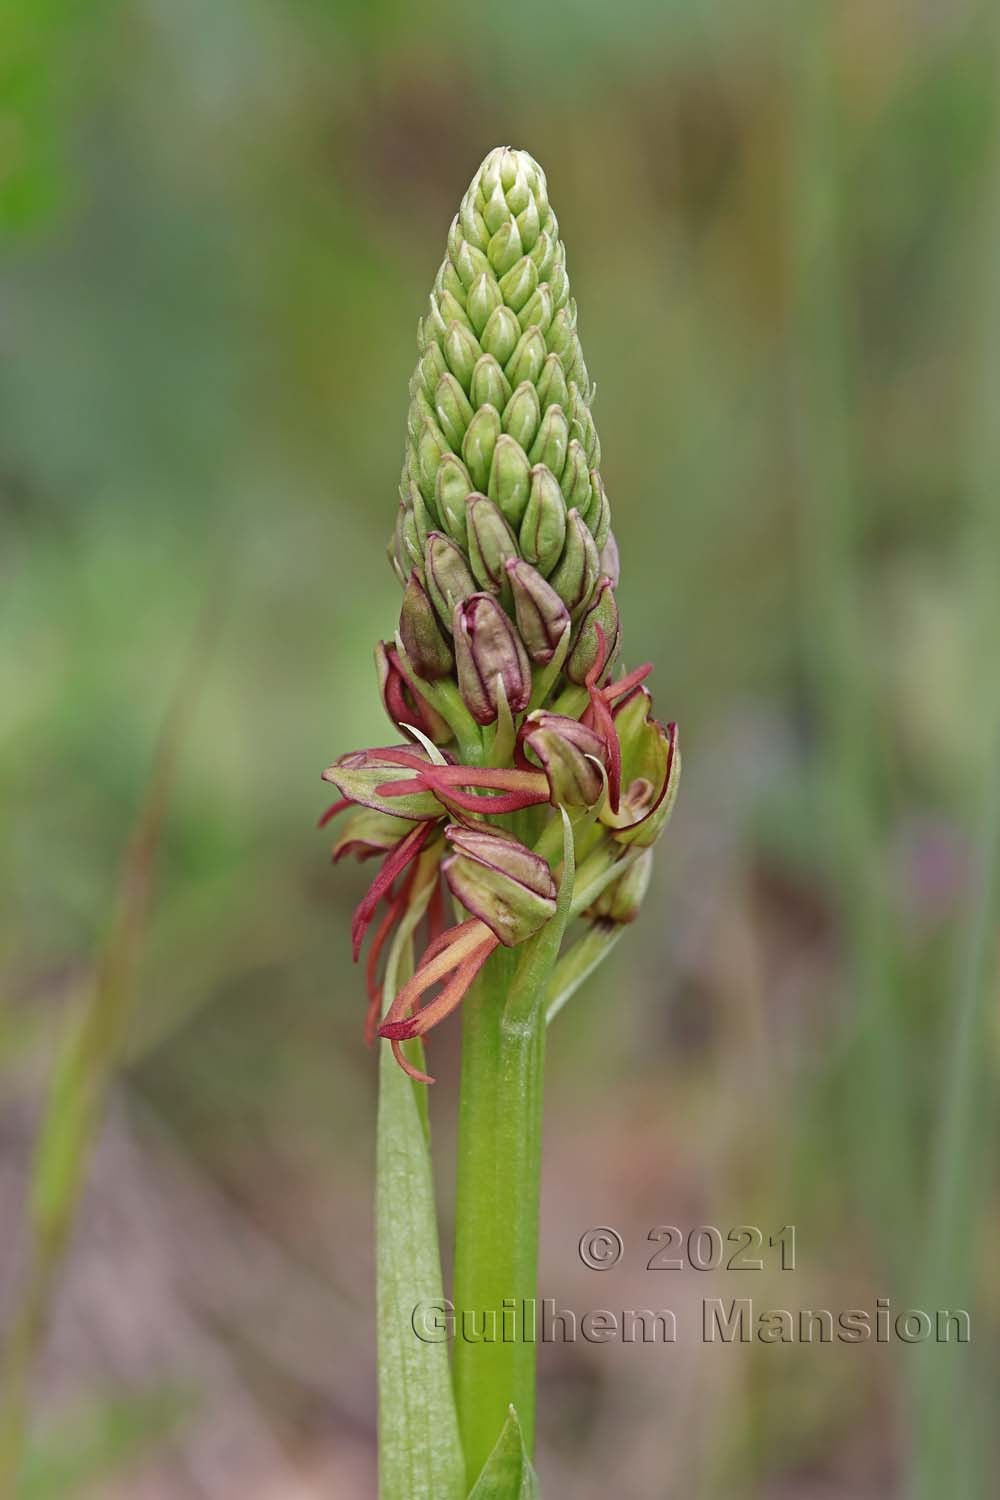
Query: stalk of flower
pixel 533 781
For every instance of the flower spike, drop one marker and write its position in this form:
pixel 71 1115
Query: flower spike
pixel 501 669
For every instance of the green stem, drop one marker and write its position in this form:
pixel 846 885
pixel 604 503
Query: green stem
pixel 496 1245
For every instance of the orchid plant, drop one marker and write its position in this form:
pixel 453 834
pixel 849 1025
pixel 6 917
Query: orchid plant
pixel 513 824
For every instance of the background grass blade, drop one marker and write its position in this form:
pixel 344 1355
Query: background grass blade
pixel 74 1109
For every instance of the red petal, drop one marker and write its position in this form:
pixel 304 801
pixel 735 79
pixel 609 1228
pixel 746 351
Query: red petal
pixel 407 1066
pixel 605 724
pixel 396 860
pixel 615 690
pixel 332 811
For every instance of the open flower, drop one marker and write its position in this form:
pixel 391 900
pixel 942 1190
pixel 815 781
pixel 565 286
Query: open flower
pixel 572 755
pixel 455 957
pixel 500 881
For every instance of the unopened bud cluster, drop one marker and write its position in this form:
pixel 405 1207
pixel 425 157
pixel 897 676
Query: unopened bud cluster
pixel 501 498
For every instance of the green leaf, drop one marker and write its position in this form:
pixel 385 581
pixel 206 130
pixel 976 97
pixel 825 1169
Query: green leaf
pixel 508 1473
pixel 420 1456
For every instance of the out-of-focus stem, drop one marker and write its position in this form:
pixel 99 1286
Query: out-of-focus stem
pixel 833 619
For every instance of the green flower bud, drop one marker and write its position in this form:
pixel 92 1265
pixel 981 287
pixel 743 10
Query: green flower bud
pixel 529 223
pixel 501 334
pixel 519 283
pixel 505 247
pixel 537 310
pixel 575 480
pixel 491 545
pixel 470 263
pixel 559 282
pixel 582 425
pixel 587 650
pixel 541 615
pixel 488 650
pixel 473 224
pixel 452 487
pixel 408 549
pixel 528 358
pixel 480 441
pixel 421 414
pixel 490 386
pixel 450 307
pixel 542 253
pixel 561 336
pixel 430 369
pixel 543 529
pixel 619 903
pixel 485 297
pixel 421 634
pixel 522 415
pixel 551 441
pixel 461 350
pixel 571 755
pixel 599 514
pixel 447 575
pixel 430 329
pixel 430 451
pixel 500 881
pixel 453 410
pixel 495 211
pixel 510 479
pixel 552 388
pixel 578 568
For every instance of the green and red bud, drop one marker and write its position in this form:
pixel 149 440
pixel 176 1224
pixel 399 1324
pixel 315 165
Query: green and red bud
pixel 577 571
pixel 404 703
pixel 420 631
pixel 488 652
pixel 447 575
pixel 597 635
pixel 500 881
pixel 542 617
pixel 492 545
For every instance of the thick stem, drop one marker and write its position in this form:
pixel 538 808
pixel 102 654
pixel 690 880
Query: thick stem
pixel 496 1243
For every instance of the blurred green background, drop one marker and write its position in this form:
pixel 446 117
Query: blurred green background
pixel 221 224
